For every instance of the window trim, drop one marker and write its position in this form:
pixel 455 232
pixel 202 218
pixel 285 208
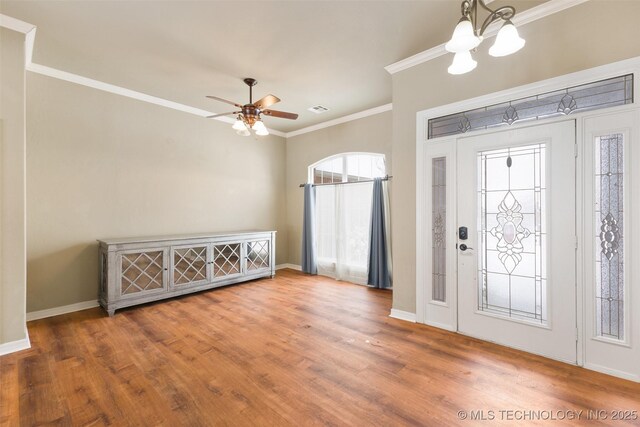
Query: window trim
pixel 344 157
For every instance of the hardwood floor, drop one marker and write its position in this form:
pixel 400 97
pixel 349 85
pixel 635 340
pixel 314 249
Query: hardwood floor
pixel 294 350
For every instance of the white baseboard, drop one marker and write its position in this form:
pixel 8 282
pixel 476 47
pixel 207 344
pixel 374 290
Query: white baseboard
pixel 291 266
pixel 403 315
pixel 613 372
pixel 56 311
pixel 13 346
pixel 441 326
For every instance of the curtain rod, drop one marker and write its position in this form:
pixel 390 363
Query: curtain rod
pixel 385 178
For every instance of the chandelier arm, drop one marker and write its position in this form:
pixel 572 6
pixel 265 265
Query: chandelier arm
pixel 466 6
pixel 484 6
pixel 505 13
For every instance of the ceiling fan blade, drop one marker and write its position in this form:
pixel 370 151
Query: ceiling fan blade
pixel 224 114
pixel 266 101
pixel 280 114
pixel 224 100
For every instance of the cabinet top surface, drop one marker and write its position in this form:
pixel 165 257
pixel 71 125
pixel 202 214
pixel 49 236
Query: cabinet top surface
pixel 145 239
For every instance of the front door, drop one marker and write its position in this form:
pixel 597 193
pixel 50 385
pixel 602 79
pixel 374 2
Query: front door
pixel 517 266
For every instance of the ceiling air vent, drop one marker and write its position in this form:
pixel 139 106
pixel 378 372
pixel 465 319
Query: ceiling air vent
pixel 318 109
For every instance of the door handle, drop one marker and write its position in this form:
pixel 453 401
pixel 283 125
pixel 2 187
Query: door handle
pixel 464 247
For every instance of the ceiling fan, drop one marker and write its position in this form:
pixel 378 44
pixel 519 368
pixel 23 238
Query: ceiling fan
pixel 249 115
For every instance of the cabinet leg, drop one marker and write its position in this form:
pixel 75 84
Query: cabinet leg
pixel 111 312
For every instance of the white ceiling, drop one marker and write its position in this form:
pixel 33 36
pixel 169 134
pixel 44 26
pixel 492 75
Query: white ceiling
pixel 331 53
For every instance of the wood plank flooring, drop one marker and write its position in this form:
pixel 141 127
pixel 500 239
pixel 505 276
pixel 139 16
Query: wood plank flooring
pixel 294 350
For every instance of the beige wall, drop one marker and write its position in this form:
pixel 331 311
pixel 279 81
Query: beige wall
pixel 371 134
pixel 12 188
pixel 585 36
pixel 101 165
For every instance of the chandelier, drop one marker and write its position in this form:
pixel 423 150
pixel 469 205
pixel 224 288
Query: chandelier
pixel 467 36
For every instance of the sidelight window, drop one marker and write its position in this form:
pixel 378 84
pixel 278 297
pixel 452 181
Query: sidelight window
pixel 439 228
pixel 609 241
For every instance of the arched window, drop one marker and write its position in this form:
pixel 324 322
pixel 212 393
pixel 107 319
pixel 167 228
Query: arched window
pixel 344 188
pixel 347 167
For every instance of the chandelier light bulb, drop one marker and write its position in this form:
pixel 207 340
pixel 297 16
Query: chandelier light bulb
pixel 508 41
pixel 464 37
pixel 462 63
pixel 243 132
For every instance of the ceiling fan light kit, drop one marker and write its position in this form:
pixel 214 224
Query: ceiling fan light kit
pixel 239 125
pixel 249 116
pixel 467 36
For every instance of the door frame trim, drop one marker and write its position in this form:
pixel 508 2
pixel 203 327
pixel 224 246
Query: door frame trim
pixel 629 66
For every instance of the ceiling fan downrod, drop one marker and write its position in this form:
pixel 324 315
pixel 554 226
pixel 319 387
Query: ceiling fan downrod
pixel 251 83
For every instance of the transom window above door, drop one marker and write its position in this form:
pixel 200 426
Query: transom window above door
pixel 606 93
pixel 347 167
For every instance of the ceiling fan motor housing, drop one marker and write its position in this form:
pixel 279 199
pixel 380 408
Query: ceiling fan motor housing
pixel 250 113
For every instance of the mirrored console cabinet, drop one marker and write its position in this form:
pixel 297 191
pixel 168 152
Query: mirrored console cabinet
pixel 139 270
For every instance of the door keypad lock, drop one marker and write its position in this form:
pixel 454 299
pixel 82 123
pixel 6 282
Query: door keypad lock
pixel 463 233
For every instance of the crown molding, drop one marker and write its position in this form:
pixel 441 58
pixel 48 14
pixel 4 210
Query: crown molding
pixel 30 35
pixel 522 18
pixel 30 32
pixel 340 120
pixel 119 90
pixel 14 24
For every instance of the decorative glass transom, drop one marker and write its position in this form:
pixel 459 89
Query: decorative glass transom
pixel 226 260
pixel 141 271
pixel 189 265
pixel 511 232
pixel 258 255
pixel 592 96
pixel 439 227
pixel 609 247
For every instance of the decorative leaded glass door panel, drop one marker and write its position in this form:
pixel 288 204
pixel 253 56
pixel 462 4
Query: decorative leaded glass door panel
pixel 516 269
pixel 189 265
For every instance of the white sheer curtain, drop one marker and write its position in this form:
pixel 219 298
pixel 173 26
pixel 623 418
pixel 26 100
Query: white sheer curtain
pixel 343 215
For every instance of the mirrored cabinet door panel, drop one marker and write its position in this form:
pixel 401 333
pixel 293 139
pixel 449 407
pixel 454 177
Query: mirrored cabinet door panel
pixel 189 265
pixel 226 260
pixel 141 272
pixel 258 255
